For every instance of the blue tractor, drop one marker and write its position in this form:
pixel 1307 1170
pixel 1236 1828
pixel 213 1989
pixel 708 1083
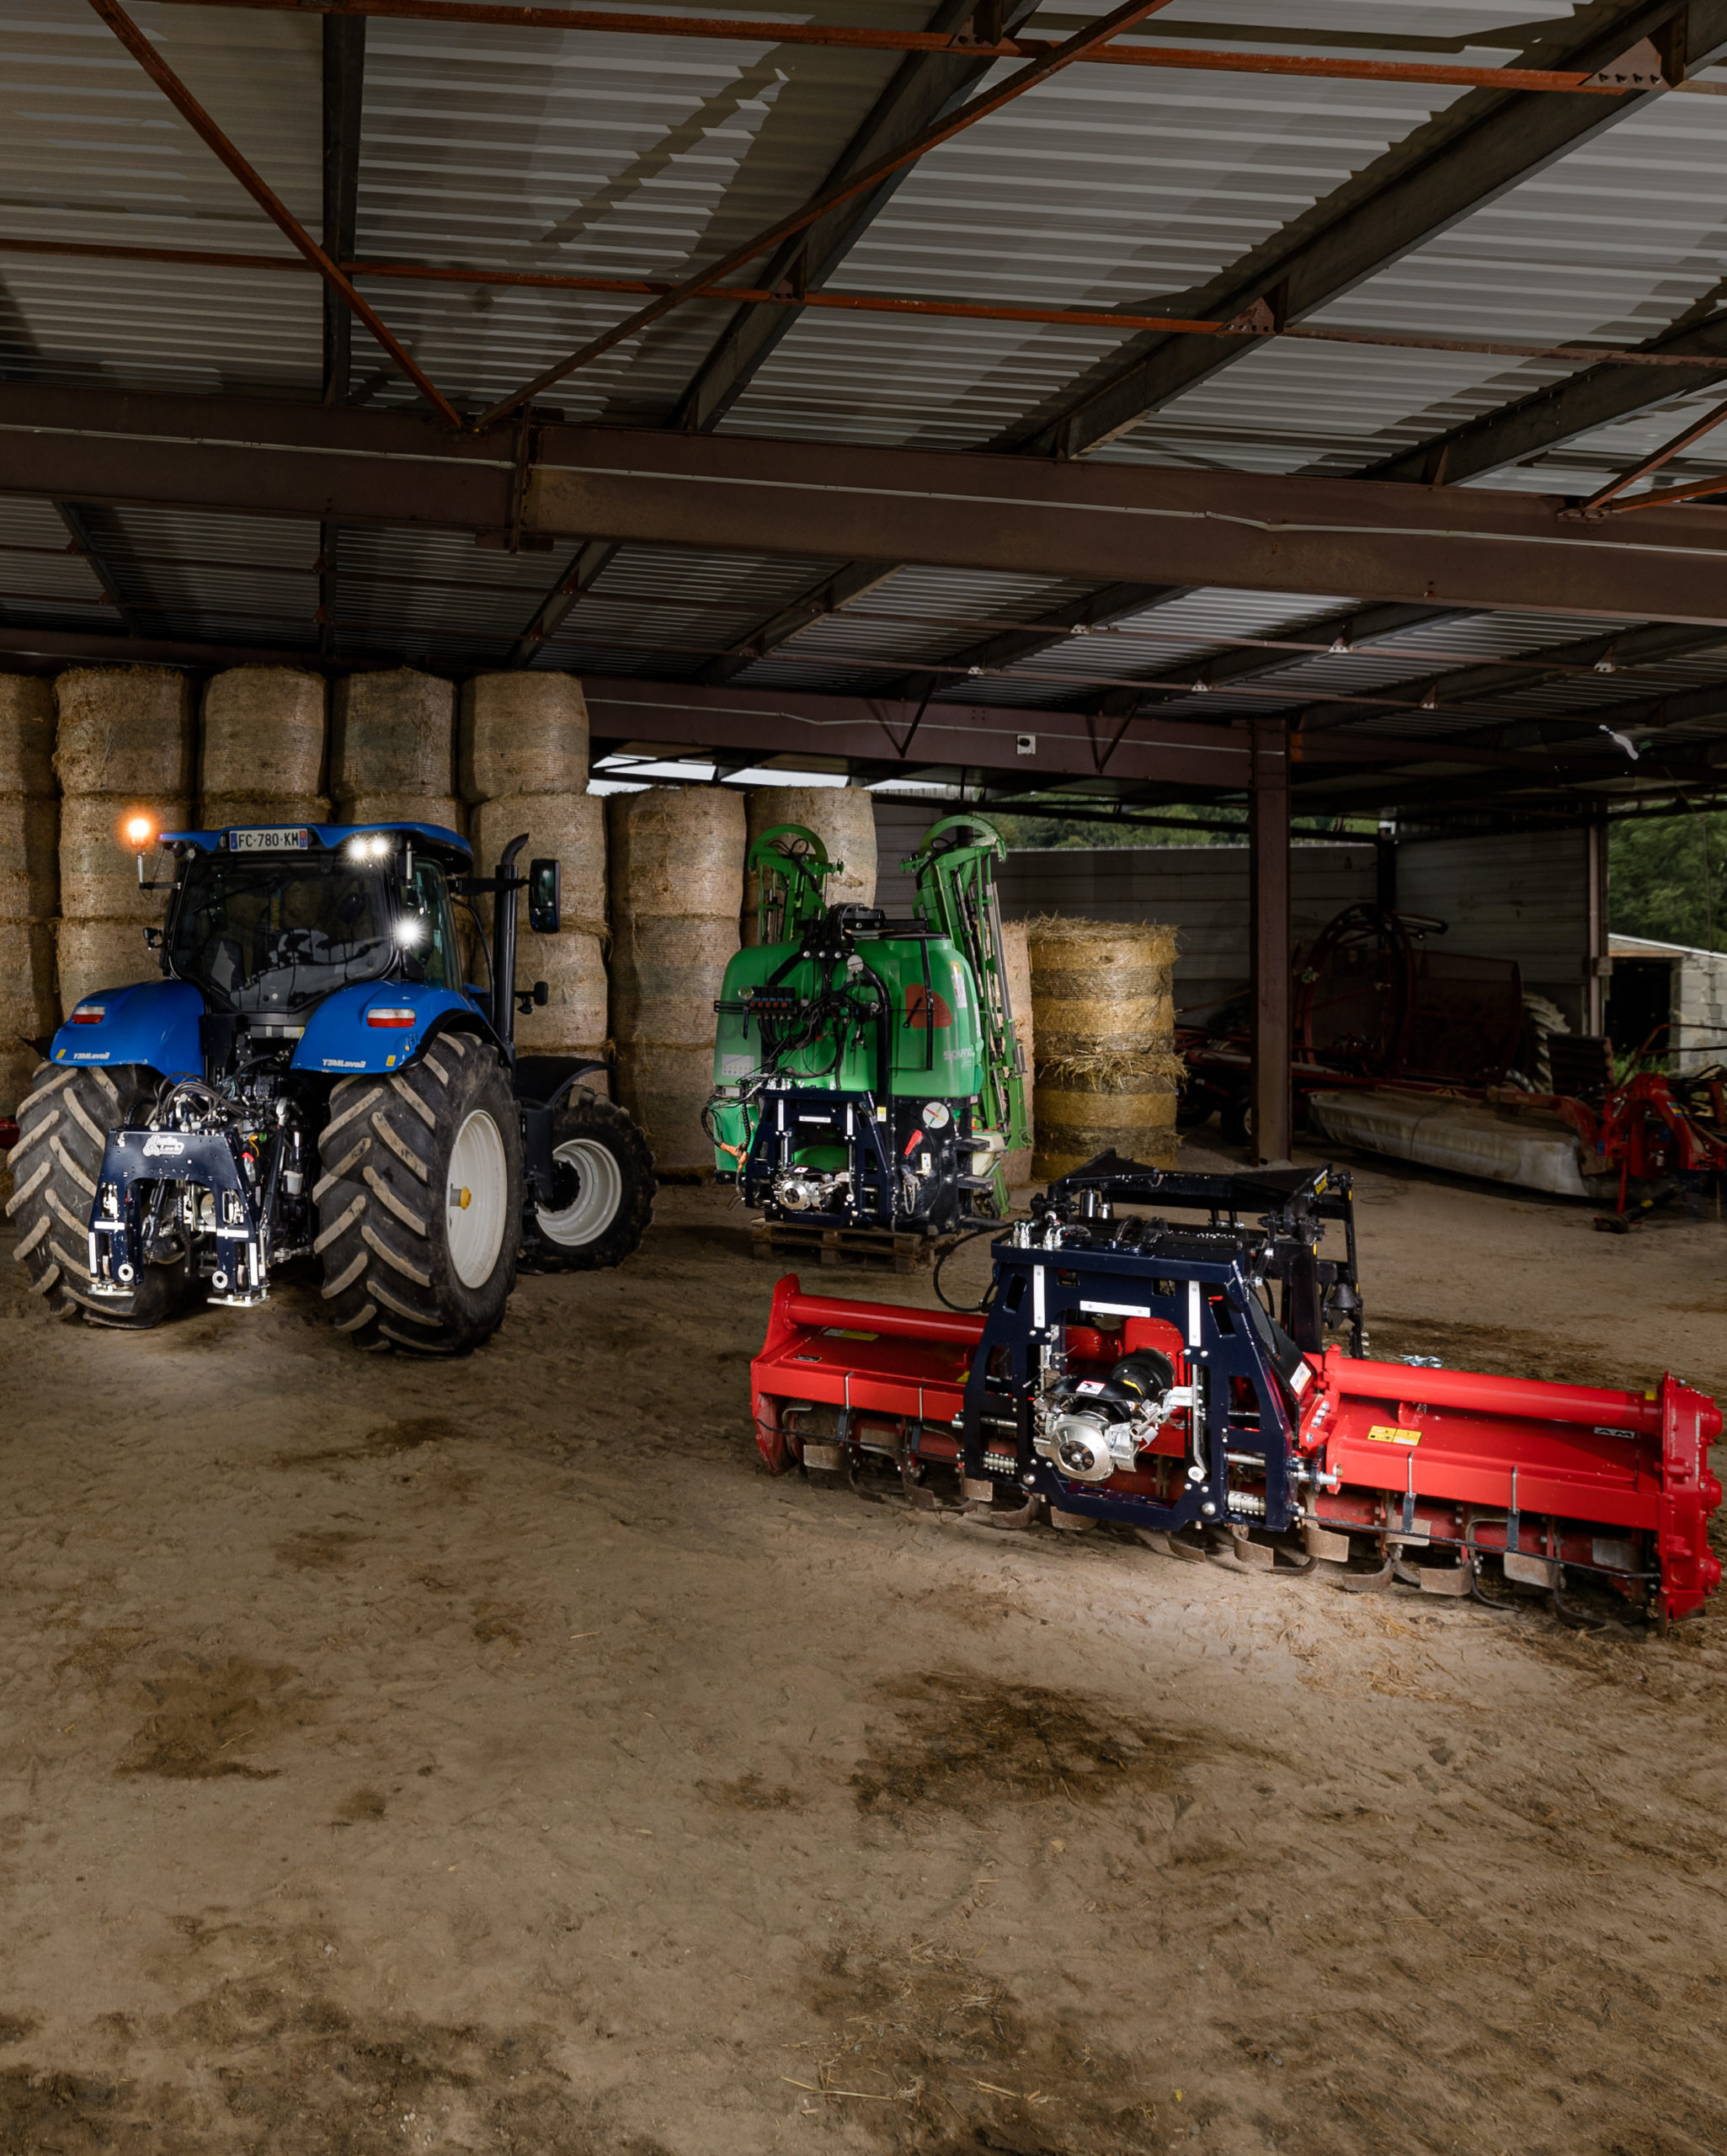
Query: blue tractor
pixel 311 1078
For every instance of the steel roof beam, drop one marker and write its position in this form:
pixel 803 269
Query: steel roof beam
pixel 731 494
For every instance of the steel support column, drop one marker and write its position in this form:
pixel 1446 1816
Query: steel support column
pixel 1597 965
pixel 1271 1131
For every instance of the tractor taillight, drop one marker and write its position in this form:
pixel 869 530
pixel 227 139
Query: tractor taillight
pixel 89 1014
pixel 387 1017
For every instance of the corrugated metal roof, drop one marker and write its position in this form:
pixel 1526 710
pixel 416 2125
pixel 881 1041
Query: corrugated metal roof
pixel 646 155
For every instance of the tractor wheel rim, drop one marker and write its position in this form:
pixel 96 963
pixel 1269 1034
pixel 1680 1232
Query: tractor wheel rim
pixel 599 1193
pixel 476 1199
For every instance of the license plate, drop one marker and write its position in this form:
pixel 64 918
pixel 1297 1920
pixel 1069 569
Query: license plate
pixel 292 840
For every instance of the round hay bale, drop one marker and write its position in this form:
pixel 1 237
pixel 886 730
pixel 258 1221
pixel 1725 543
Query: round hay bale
pixel 263 733
pixel 666 1089
pixel 393 733
pixel 445 810
pixel 26 735
pixel 572 1022
pixel 29 855
pixel 123 729
pixel 842 817
pixel 29 1006
pixel 98 954
pixel 568 827
pixel 666 976
pixel 1104 1022
pixel 523 734
pixel 1017 966
pixel 225 812
pixel 98 870
pixel 675 852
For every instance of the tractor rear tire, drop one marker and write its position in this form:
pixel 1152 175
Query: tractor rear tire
pixel 63 1127
pixel 419 1204
pixel 602 1188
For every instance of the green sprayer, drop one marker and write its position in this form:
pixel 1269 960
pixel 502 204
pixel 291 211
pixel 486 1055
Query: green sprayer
pixel 867 1073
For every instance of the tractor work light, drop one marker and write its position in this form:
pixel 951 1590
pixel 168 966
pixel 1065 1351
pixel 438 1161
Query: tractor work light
pixel 371 845
pixel 390 1016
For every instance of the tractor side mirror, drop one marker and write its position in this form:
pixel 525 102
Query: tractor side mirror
pixel 544 897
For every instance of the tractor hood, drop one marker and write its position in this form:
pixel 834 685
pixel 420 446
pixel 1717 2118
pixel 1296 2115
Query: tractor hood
pixel 154 1022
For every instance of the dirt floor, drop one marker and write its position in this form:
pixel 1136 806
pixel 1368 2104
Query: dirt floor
pixel 484 1757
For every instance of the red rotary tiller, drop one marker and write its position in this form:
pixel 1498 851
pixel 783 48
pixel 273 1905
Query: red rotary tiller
pixel 1175 1378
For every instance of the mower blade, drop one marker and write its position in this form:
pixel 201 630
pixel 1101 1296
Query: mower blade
pixel 1367 1583
pixel 1444 1579
pixel 1321 1542
pixel 1244 1556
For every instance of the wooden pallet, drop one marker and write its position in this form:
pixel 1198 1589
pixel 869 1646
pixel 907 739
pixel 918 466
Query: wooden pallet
pixel 814 1242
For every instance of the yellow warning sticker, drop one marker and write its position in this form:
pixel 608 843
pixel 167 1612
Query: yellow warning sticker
pixel 1388 1433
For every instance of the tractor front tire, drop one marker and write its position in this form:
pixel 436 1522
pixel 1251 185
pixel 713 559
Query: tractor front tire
pixel 603 1188
pixel 419 1204
pixel 62 1133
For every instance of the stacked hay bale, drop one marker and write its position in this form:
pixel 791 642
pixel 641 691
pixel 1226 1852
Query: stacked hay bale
pixel 1017 966
pixel 29 880
pixel 1105 1021
pixel 123 747
pixel 524 767
pixel 393 749
pixel 261 749
pixel 676 885
pixel 842 817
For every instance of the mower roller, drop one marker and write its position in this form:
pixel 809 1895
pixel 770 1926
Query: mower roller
pixel 1175 1378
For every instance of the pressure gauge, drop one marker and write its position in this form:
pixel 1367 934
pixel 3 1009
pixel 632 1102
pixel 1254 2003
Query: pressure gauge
pixel 937 1115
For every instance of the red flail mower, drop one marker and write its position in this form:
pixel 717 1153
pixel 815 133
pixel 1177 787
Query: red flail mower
pixel 1175 1379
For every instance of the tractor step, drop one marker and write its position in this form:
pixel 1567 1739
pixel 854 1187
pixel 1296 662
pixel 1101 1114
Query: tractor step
pixel 816 1242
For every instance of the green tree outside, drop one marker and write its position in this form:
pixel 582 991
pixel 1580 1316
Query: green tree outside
pixel 1667 879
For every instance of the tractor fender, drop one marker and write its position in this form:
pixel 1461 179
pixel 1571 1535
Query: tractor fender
pixel 153 1022
pixel 343 1039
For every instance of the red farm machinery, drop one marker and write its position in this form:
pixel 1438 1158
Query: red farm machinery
pixel 1173 1379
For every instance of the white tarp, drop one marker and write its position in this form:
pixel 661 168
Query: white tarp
pixel 1469 1139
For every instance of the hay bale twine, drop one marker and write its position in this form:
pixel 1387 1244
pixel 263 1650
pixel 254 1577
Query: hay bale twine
pixel 29 855
pixel 677 864
pixel 98 870
pixel 123 729
pixel 1104 1018
pixel 263 733
pixel 223 812
pixel 30 1009
pixel 1016 958
pixel 443 809
pixel 97 954
pixel 393 734
pixel 26 735
pixel 568 827
pixel 842 817
pixel 573 1021
pixel 522 732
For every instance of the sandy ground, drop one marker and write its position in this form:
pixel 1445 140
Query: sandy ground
pixel 485 1758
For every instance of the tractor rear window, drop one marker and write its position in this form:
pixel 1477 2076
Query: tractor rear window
pixel 271 935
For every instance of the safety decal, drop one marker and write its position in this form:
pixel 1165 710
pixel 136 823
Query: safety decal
pixel 1388 1433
